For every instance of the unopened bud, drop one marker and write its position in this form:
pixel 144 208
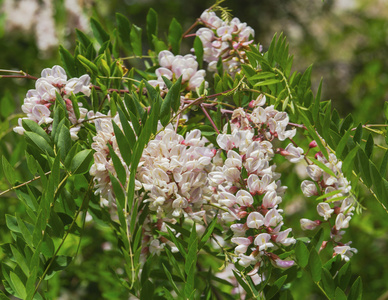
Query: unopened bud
pixel 323 246
pixel 318 154
pixel 313 144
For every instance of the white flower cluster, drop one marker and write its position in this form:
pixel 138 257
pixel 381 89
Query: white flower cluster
pixel 38 104
pixel 173 172
pixel 251 201
pixel 224 40
pixel 172 67
pixel 339 205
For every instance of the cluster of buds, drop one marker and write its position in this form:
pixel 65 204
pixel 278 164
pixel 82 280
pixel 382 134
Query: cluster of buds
pixel 172 67
pixel 339 203
pixel 225 41
pixel 247 187
pixel 38 104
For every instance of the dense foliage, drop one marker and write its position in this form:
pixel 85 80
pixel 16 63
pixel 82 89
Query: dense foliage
pixel 166 180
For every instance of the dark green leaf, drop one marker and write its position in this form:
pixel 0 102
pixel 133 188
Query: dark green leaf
pixel 315 265
pixel 356 290
pixel 363 161
pixel 171 101
pixel 136 42
pixel 59 263
pixel 339 294
pixel 302 254
pixel 39 142
pixel 175 32
pixel 9 171
pixel 171 280
pixel 81 161
pixel 7 105
pixel 384 164
pixel 124 27
pixel 275 288
pixel 358 134
pixel 369 146
pixel 328 283
pixel 147 291
pixel 152 25
pixel 68 61
pixel 100 34
pixel 64 141
pixel 343 276
pixel 198 51
pixel 123 144
pixel 342 144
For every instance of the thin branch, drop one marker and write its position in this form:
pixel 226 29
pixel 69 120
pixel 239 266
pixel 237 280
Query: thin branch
pixel 209 118
pixel 23 184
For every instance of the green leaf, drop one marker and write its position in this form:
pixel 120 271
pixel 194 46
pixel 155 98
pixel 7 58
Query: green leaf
pixel 136 42
pixel 100 34
pixel 171 280
pixel 68 61
pixel 19 286
pixel 64 141
pixel 342 144
pixel 124 26
pixel 207 233
pixel 356 290
pixel 82 37
pixel 315 265
pixel 20 259
pixel 151 25
pixel 324 196
pixel 123 144
pixel 59 263
pixel 175 32
pixel 358 134
pixel 81 161
pixel 242 283
pixel 39 142
pixel 322 166
pixel 3 296
pixel 339 294
pixel 384 164
pixel 267 82
pixel 275 288
pixel 328 283
pixel 191 256
pixel 198 51
pixel 9 171
pixel 118 166
pixel 363 161
pixel 343 276
pixel 91 67
pixel 347 164
pixel 7 105
pixel 302 254
pixel 147 291
pixel 369 146
pixel 171 101
pixel 74 102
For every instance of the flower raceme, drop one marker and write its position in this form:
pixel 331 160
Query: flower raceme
pixel 225 40
pixel 38 104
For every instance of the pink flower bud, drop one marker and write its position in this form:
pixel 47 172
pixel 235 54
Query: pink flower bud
pixel 313 144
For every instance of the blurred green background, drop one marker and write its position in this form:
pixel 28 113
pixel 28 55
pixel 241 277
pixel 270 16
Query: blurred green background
pixel 345 40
